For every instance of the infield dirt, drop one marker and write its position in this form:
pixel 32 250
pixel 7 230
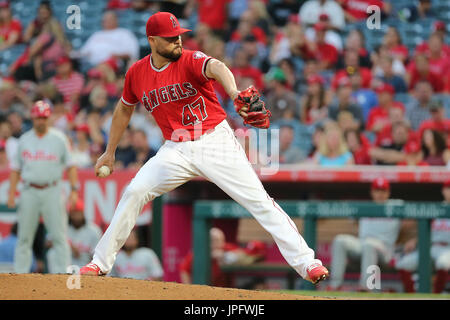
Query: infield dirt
pixel 54 287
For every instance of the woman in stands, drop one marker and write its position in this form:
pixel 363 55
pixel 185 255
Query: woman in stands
pixel 314 105
pixel 46 43
pixel 332 150
pixel 435 148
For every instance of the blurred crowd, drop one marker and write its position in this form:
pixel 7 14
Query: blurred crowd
pixel 340 93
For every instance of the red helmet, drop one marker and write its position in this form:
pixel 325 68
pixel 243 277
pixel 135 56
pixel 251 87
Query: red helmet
pixel 40 109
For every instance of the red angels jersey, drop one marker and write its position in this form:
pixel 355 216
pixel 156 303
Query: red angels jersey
pixel 180 96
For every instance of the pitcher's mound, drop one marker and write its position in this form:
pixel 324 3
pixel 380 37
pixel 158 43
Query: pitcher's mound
pixel 55 287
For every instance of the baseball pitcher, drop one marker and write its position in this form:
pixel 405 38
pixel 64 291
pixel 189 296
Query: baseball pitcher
pixel 43 154
pixel 175 86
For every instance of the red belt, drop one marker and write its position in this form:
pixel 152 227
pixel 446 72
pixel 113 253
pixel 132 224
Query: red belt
pixel 42 186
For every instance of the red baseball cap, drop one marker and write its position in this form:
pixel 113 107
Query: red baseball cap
pixel 380 183
pixel 385 87
pixel 440 25
pixel 40 109
pixel 78 206
pixel 315 78
pixel 82 127
pixel 164 24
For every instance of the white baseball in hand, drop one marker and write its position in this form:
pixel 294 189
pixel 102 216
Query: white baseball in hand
pixel 103 171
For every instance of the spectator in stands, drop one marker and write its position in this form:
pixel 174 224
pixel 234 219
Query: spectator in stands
pixel 316 139
pixel 439 29
pixel 68 82
pixel 282 11
pixel 13 98
pixel 345 103
pixel 10 28
pixel 356 10
pixel 419 69
pixel 286 41
pixel 284 103
pixel 102 45
pixel 379 116
pixel 137 262
pixel 417 11
pixel 314 104
pixel 289 152
pixel 242 68
pixel 81 146
pixel 292 77
pixel 374 244
pixel 325 53
pixel 331 37
pixel 359 146
pixel 418 109
pixel 61 117
pixel 355 41
pixel 366 98
pixel 381 52
pixel 439 251
pixel 125 154
pixel 17 123
pixel 388 76
pixel 438 121
pixel 332 149
pixel 82 235
pixel 413 154
pixel 392 41
pixel 141 147
pixel 350 66
pixel 248 26
pixel 212 13
pixel 46 43
pixel 311 10
pixel 435 150
pixel 439 58
pixel 391 152
pixel 257 52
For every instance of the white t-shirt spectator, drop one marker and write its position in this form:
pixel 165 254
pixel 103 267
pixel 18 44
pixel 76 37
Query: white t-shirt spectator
pixel 105 43
pixel 312 9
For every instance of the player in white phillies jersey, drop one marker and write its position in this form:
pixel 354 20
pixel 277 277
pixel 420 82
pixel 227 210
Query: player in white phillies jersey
pixel 137 263
pixel 83 236
pixel 440 252
pixel 374 244
pixel 43 154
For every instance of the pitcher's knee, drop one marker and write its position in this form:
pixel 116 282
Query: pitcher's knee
pixel 136 191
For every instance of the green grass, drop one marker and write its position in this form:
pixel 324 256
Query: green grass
pixel 367 295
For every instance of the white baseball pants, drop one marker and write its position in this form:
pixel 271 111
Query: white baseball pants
pixel 440 254
pixel 219 158
pixel 371 251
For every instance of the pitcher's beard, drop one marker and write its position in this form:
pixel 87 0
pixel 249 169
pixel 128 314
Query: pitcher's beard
pixel 172 56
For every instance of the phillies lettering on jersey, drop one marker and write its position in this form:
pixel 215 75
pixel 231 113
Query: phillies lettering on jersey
pixel 180 96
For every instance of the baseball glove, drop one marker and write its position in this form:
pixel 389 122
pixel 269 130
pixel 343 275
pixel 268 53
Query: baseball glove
pixel 252 109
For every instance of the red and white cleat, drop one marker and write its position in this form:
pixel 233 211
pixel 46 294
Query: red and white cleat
pixel 317 273
pixel 91 269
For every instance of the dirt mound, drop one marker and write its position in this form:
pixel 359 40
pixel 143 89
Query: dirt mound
pixel 55 287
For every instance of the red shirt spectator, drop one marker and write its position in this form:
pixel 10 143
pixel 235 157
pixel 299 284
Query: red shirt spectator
pixel 10 29
pixel 378 116
pixel 343 75
pixel 243 69
pixel 325 53
pixel 213 13
pixel 419 69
